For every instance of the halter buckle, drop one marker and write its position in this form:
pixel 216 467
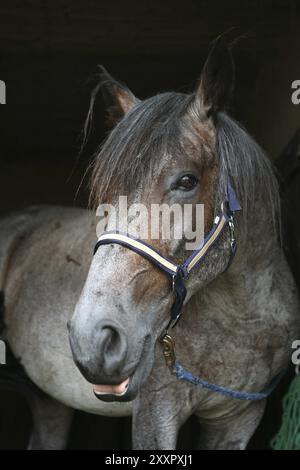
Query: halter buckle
pixel 173 281
pixel 232 232
pixel 169 350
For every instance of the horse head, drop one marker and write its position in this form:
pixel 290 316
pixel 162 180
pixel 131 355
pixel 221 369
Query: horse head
pixel 162 150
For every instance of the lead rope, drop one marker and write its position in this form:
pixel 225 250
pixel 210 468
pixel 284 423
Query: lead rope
pixel 183 374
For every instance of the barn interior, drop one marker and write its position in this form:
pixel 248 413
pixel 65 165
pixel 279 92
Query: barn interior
pixel 49 53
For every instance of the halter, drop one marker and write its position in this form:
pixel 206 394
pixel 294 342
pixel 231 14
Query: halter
pixel 178 273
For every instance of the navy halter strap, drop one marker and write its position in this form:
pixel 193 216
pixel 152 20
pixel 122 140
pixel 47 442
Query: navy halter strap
pixel 178 274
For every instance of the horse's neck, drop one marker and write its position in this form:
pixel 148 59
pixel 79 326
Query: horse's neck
pixel 238 292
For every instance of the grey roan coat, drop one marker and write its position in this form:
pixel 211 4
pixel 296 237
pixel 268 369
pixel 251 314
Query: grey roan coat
pixel 237 327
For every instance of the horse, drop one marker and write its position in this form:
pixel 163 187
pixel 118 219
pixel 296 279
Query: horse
pixel 89 330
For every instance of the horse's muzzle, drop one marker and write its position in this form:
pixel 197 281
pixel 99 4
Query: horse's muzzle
pixel 102 359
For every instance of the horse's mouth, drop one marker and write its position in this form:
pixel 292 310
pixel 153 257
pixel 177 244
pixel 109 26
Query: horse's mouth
pixel 125 391
pixel 116 390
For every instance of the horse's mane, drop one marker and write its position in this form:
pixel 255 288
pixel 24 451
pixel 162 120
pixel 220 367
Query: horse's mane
pixel 155 127
pixel 250 170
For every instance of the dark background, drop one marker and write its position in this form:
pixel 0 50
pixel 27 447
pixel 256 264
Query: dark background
pixel 49 51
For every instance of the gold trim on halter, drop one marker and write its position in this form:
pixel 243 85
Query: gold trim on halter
pixel 142 247
pixel 207 244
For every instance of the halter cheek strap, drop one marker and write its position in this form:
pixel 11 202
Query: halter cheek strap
pixel 178 273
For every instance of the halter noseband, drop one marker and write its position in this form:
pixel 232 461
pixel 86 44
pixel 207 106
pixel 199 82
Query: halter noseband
pixel 178 274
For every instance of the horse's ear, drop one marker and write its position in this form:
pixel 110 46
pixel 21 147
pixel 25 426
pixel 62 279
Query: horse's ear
pixel 216 81
pixel 117 97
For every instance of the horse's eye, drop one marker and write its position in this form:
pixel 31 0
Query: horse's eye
pixel 186 183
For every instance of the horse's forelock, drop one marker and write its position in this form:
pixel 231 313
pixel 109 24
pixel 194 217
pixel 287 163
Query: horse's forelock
pixel 136 145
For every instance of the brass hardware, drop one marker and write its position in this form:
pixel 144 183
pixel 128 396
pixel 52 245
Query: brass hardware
pixel 169 350
pixel 232 231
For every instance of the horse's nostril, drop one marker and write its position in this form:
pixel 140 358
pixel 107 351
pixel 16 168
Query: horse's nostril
pixel 112 348
pixel 68 325
pixel 101 356
pixel 111 341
